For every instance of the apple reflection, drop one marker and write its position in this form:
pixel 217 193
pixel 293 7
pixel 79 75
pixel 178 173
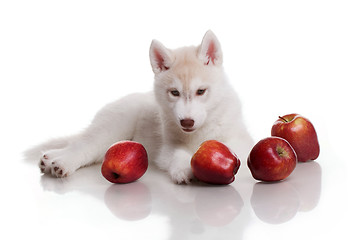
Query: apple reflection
pixel 307 181
pixel 274 202
pixel 218 206
pixel 129 201
pixel 279 202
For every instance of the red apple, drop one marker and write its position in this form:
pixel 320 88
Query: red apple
pixel 272 159
pixel 215 163
pixel 124 162
pixel 300 133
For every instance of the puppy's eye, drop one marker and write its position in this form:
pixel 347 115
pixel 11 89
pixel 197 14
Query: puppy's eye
pixel 200 92
pixel 175 93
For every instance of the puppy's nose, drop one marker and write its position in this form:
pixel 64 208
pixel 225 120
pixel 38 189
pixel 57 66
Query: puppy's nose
pixel 187 123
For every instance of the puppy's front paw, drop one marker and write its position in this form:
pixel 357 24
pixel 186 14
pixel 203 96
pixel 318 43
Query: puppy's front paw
pixel 57 163
pixel 182 176
pixel 178 167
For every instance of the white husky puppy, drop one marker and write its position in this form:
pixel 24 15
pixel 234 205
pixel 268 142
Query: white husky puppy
pixel 192 102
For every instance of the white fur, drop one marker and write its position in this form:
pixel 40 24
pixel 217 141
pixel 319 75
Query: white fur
pixel 154 118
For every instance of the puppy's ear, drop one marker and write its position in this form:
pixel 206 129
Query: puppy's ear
pixel 161 58
pixel 210 50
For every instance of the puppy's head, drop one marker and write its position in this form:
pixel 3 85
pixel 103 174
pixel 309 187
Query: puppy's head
pixel 187 81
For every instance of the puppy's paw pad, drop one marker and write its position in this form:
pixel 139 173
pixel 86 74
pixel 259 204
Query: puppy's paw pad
pixel 59 171
pixel 52 162
pixel 45 164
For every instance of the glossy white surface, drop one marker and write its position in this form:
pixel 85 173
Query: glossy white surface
pixel 61 62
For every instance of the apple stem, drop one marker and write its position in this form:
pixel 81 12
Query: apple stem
pixel 283 119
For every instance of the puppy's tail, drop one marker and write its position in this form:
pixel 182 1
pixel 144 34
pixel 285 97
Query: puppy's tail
pixel 34 153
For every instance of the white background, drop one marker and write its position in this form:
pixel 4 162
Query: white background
pixel 61 61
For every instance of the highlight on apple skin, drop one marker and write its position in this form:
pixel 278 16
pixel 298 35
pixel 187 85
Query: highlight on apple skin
pixel 215 163
pixel 124 162
pixel 300 133
pixel 272 159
